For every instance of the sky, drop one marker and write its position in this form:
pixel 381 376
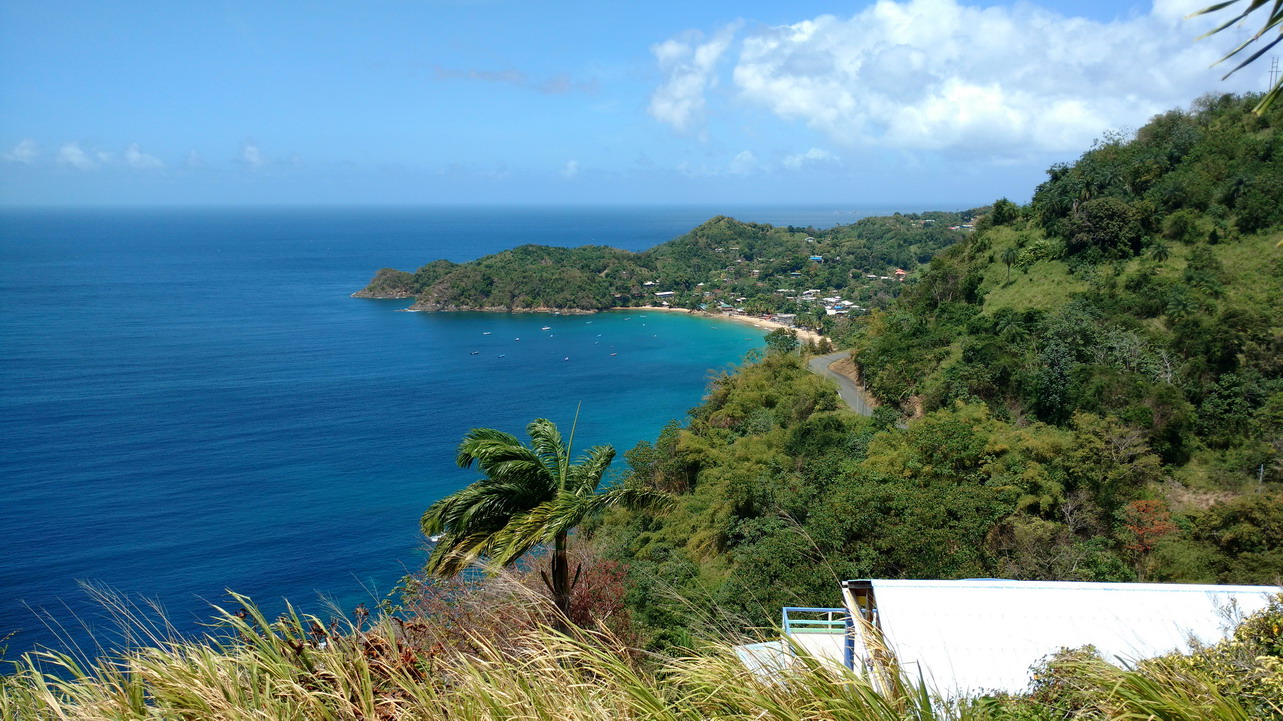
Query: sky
pixel 940 103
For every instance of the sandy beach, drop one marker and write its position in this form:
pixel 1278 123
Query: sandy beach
pixel 806 336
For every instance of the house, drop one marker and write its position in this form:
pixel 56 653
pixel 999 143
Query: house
pixel 900 274
pixel 816 259
pixel 666 294
pixel 983 635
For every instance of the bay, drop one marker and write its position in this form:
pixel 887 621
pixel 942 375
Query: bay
pixel 191 402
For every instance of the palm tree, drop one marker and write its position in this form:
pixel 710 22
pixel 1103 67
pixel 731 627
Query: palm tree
pixel 1009 256
pixel 1159 251
pixel 530 495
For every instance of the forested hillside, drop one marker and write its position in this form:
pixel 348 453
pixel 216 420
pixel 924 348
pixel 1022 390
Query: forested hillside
pixel 723 261
pixel 1093 389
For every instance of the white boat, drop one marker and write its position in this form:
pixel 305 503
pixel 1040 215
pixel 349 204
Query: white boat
pixel 485 332
pixel 547 327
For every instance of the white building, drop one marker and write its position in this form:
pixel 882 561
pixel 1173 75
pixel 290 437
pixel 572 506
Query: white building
pixel 966 638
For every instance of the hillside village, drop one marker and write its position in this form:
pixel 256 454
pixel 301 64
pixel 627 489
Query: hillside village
pixel 810 277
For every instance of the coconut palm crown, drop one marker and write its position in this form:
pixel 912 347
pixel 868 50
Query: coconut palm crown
pixel 529 495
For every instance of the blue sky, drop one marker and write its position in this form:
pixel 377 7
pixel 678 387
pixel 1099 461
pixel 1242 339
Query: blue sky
pixel 914 102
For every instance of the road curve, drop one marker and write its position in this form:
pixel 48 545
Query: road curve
pixel 847 389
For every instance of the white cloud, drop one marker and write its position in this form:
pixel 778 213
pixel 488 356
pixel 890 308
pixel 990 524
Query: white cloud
pixel 745 163
pixel 71 154
pixel 252 156
pixel 942 75
pixel 689 67
pixel 812 156
pixel 25 152
pixel 140 160
pixel 571 169
pixel 194 159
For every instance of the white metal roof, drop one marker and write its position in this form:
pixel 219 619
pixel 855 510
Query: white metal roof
pixel 968 637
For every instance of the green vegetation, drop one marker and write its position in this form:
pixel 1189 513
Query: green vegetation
pixel 508 664
pixel 1092 390
pixel 1089 387
pixel 530 496
pixel 721 264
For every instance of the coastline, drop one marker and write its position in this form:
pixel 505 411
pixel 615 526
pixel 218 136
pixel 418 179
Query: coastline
pixel 806 336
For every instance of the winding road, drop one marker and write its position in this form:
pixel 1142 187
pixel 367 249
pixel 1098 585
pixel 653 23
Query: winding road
pixel 847 389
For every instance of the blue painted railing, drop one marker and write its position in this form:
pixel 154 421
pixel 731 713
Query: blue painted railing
pixel 842 625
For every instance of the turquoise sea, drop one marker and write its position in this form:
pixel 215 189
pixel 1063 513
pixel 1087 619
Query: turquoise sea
pixel 191 402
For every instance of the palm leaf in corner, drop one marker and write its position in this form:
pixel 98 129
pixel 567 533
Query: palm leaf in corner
pixel 1273 21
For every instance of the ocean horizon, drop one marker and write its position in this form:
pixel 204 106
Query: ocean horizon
pixel 190 401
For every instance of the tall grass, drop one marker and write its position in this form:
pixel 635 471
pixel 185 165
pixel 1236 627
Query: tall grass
pixel 293 667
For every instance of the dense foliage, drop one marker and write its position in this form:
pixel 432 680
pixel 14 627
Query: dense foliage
pixel 1112 410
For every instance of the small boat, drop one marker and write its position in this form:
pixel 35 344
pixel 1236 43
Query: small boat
pixel 566 358
pixel 500 355
pixel 475 352
pixel 485 332
pixel 614 354
pixel 547 327
pixel 516 339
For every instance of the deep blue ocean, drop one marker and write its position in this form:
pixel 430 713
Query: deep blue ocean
pixel 191 402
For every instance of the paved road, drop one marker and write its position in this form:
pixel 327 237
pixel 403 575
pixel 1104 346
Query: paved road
pixel 846 387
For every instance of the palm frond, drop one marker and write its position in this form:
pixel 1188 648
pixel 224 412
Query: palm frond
pixel 480 444
pixel 456 552
pixel 486 504
pixel 584 477
pixel 638 497
pixel 529 496
pixel 1273 19
pixel 546 442
pixel 543 523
